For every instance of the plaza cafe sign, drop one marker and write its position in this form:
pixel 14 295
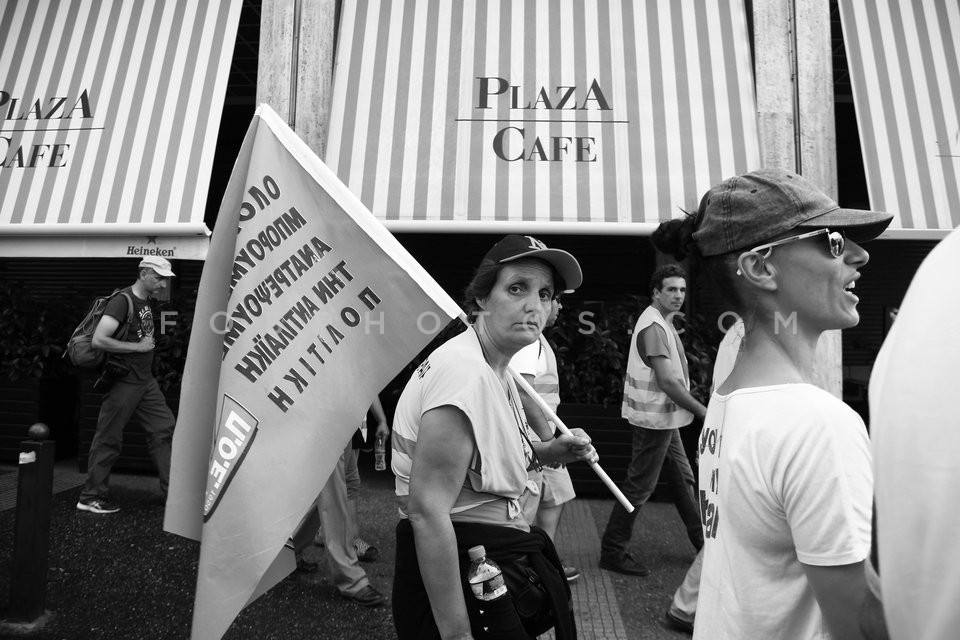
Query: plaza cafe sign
pixel 566 116
pixel 50 113
pixel 109 114
pixel 513 143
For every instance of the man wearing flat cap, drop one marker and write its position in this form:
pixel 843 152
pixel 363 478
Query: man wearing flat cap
pixel 126 334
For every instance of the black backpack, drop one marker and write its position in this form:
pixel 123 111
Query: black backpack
pixel 80 349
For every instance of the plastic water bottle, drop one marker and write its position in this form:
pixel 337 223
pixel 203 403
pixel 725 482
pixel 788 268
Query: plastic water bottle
pixel 379 454
pixel 485 577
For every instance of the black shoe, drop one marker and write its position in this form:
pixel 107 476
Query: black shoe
pixel 97 505
pixel 572 574
pixel 366 597
pixel 627 565
pixel 306 566
pixel 366 552
pixel 676 622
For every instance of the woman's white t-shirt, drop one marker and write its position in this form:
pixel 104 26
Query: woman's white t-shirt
pixel 785 479
pixel 499 485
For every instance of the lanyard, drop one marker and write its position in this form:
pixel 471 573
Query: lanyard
pixel 525 442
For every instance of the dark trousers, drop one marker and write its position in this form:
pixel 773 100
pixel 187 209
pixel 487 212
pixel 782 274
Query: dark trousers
pixel 656 452
pixel 124 401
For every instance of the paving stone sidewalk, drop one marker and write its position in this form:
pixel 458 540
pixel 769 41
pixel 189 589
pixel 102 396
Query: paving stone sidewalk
pixel 607 606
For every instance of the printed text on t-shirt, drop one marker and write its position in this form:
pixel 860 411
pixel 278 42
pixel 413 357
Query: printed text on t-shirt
pixel 710 439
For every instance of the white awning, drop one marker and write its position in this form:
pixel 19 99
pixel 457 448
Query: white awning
pixel 109 113
pixel 171 240
pixel 904 60
pixel 540 115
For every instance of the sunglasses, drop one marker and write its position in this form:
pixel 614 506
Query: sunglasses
pixel 835 239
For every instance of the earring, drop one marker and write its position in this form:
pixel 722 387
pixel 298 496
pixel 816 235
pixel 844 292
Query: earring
pixel 739 273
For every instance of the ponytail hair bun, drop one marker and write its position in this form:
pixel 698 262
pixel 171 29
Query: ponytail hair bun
pixel 675 237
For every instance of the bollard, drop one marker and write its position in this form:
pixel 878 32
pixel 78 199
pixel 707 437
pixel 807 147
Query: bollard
pixel 31 543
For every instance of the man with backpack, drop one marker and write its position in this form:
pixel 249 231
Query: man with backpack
pixel 126 333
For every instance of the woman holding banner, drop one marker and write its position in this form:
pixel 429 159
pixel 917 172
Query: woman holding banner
pixel 785 476
pixel 466 467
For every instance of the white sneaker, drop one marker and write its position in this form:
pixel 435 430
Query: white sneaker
pixel 97 505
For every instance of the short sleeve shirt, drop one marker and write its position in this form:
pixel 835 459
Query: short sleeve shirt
pixel 141 325
pixel 527 361
pixel 785 479
pixel 457 375
pixel 653 342
pixel 915 429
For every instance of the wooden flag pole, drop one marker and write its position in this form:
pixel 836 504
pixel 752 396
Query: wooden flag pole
pixel 563 429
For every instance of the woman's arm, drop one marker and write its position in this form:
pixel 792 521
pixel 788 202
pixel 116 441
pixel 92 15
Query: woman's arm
pixel 383 429
pixel 840 591
pixel 445 446
pixel 567 448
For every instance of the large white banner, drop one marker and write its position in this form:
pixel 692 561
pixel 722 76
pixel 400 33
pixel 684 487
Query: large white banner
pixel 308 307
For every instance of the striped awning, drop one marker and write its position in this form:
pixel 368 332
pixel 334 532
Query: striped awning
pixel 109 113
pixel 904 60
pixel 604 116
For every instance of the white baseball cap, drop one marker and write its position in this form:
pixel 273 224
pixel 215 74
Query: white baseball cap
pixel 158 264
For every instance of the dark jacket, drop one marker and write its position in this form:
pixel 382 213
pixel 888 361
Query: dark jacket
pixel 511 549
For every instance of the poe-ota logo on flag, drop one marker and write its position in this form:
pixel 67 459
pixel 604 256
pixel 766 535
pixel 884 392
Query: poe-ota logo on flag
pixel 236 429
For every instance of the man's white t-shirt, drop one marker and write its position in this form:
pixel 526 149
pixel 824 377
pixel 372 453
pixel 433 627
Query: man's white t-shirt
pixel 538 360
pixel 527 360
pixel 915 428
pixel 785 478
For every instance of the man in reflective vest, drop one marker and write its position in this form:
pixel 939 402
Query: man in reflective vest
pixel 656 402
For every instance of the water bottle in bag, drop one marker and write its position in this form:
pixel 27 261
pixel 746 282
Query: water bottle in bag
pixel 379 454
pixel 485 577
